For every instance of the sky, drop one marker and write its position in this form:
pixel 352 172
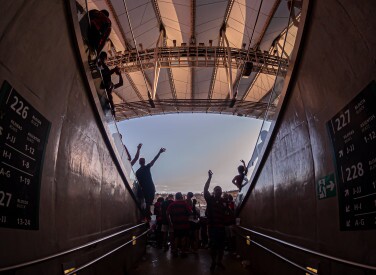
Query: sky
pixel 194 144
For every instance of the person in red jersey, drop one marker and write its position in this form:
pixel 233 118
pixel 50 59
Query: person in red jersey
pixel 179 212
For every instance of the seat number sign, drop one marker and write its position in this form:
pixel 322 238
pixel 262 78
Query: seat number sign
pixel 353 135
pixel 23 136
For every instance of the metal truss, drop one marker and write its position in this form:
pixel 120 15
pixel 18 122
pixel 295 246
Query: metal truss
pixel 128 110
pixel 198 56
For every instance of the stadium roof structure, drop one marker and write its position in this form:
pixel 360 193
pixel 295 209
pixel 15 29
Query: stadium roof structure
pixel 216 56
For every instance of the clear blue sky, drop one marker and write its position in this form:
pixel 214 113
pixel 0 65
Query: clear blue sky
pixel 195 143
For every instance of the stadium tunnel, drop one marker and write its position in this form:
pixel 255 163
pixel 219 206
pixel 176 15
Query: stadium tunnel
pixel 66 199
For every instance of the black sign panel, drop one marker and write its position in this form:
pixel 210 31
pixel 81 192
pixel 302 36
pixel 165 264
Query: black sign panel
pixel 23 135
pixel 353 135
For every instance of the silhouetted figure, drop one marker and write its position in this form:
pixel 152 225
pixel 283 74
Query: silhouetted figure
pixel 145 180
pixel 194 221
pixel 99 30
pixel 107 84
pixel 158 217
pixel 229 221
pixel 238 179
pixel 136 156
pixel 168 231
pixel 216 207
pixel 179 212
pixel 190 204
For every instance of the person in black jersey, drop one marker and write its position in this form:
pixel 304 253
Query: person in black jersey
pixel 216 207
pixel 107 84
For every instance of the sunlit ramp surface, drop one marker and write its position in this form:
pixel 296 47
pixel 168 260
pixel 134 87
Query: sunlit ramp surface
pixel 227 57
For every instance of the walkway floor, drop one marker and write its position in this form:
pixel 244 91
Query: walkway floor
pixel 158 262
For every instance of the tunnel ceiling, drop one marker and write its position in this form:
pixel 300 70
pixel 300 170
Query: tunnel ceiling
pixel 189 56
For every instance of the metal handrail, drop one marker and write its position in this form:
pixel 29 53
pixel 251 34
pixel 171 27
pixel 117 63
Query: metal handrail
pixel 279 256
pixel 17 266
pixel 311 251
pixel 105 255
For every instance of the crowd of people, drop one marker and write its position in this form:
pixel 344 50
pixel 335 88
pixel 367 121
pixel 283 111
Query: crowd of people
pixel 180 226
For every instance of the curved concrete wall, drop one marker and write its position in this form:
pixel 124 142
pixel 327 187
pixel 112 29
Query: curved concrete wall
pixel 82 195
pixel 337 62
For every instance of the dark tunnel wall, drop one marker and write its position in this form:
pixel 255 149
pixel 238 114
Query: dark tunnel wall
pixel 82 194
pixel 337 62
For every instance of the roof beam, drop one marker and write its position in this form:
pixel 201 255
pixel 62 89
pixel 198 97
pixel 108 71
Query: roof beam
pixel 262 34
pixel 247 108
pixel 164 44
pixel 267 23
pixel 204 56
pixel 193 40
pixel 257 44
pixel 127 45
pixel 228 64
pixel 138 57
pixel 224 24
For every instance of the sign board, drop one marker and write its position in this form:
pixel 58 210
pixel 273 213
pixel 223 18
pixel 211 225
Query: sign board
pixel 353 135
pixel 326 187
pixel 23 136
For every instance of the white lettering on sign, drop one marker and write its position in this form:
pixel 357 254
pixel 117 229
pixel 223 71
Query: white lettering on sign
pixel 25 180
pixel 370 137
pixel 343 120
pixel 11 138
pixel 19 108
pixel 30 135
pixel 35 121
pixel 358 206
pixel 359 222
pixel 357 190
pixel 5 199
pixel 360 106
pixel 367 121
pixel 25 164
pixel 16 125
pixel 7 154
pixel 350 148
pixel 354 171
pixel 29 149
pixel 23 222
pixel 5 173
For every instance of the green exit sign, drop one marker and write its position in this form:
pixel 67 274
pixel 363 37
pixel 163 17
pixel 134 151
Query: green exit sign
pixel 326 187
